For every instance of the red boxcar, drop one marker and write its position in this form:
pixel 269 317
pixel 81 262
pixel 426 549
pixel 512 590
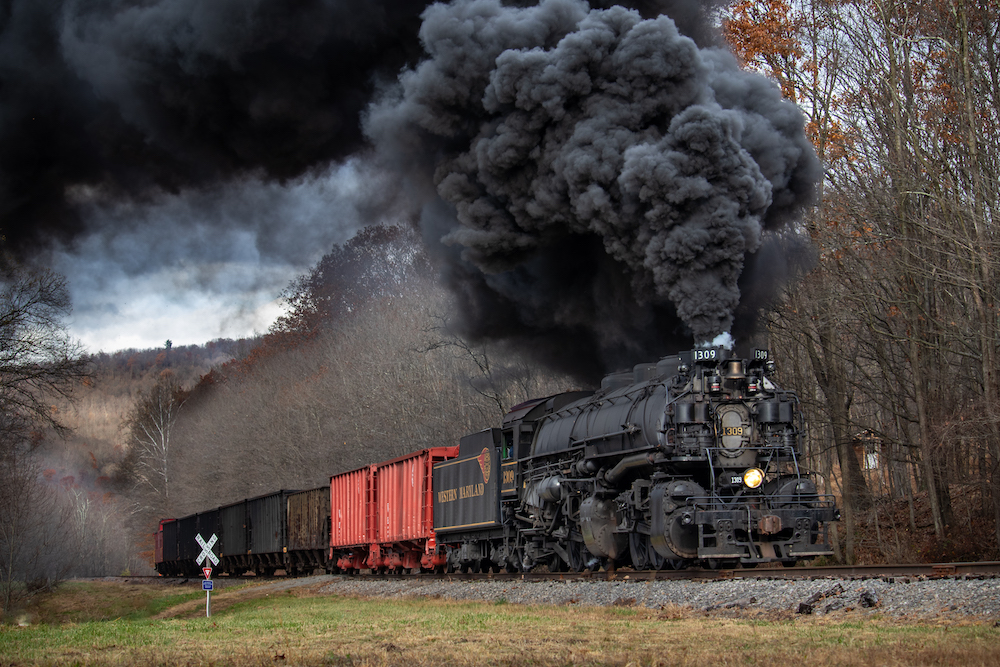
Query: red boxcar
pixel 404 530
pixel 159 560
pixel 381 516
pixel 351 517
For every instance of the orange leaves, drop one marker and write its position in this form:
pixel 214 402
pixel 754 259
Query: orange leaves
pixel 830 140
pixel 791 44
pixel 762 29
pixel 764 34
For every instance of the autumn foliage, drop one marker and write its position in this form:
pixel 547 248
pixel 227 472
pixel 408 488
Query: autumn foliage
pixel 898 326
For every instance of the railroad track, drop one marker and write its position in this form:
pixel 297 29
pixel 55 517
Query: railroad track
pixel 926 571
pixel 989 569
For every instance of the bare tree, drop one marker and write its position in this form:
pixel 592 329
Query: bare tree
pixel 33 523
pixel 901 312
pixel 37 360
pixel 37 356
pixel 149 427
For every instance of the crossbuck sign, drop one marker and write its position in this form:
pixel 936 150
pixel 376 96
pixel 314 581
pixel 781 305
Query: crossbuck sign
pixel 206 549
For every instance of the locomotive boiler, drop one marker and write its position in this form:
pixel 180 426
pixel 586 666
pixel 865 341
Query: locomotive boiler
pixel 694 459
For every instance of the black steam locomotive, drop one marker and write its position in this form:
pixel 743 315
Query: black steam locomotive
pixel 690 460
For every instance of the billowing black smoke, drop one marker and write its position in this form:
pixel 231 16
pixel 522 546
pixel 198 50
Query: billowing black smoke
pixel 134 98
pixel 594 182
pixel 130 99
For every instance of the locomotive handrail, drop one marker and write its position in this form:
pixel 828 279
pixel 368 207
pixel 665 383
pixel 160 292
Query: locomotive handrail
pixel 678 397
pixel 813 500
pixel 627 429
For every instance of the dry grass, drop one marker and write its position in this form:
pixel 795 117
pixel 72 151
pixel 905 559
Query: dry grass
pixel 304 628
pixel 81 602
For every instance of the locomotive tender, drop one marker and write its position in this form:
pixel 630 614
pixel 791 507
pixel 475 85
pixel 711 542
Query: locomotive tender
pixel 691 460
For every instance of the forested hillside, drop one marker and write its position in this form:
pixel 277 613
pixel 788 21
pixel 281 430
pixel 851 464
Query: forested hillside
pixel 90 452
pixel 361 369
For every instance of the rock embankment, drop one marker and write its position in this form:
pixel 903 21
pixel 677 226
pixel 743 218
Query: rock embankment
pixel 911 598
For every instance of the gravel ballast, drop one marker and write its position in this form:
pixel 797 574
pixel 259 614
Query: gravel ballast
pixel 903 598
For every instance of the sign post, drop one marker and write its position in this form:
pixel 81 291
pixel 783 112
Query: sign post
pixel 207 553
pixel 208 585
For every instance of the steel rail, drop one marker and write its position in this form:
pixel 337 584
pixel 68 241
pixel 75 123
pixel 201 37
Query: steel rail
pixel 987 569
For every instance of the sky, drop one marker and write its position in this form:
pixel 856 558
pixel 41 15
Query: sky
pixel 178 161
pixel 202 264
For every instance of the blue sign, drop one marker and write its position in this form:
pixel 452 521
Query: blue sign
pixel 208 585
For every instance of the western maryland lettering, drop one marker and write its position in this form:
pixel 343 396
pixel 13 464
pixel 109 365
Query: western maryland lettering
pixel 447 495
pixel 461 493
pixel 471 490
pixel 466 492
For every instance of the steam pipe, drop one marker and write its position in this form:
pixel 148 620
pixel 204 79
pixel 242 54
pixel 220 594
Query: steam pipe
pixel 628 464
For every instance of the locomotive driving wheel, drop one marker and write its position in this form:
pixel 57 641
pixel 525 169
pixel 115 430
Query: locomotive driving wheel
pixel 556 564
pixel 644 556
pixel 578 556
pixel 638 545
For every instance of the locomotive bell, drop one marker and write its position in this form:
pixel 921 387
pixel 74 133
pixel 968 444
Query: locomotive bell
pixel 734 370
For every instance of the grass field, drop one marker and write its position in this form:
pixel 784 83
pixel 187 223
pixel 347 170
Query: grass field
pixel 118 624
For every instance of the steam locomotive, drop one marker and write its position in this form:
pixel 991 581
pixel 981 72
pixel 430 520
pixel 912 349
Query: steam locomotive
pixel 691 460
pixel 694 458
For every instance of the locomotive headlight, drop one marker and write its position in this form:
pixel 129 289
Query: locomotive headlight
pixel 753 477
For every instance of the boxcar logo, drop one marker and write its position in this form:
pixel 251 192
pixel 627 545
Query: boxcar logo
pixel 485 464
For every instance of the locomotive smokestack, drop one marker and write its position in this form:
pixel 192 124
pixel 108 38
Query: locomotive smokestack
pixel 594 183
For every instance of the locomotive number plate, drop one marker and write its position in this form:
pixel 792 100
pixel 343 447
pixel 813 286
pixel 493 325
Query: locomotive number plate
pixel 508 485
pixel 732 430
